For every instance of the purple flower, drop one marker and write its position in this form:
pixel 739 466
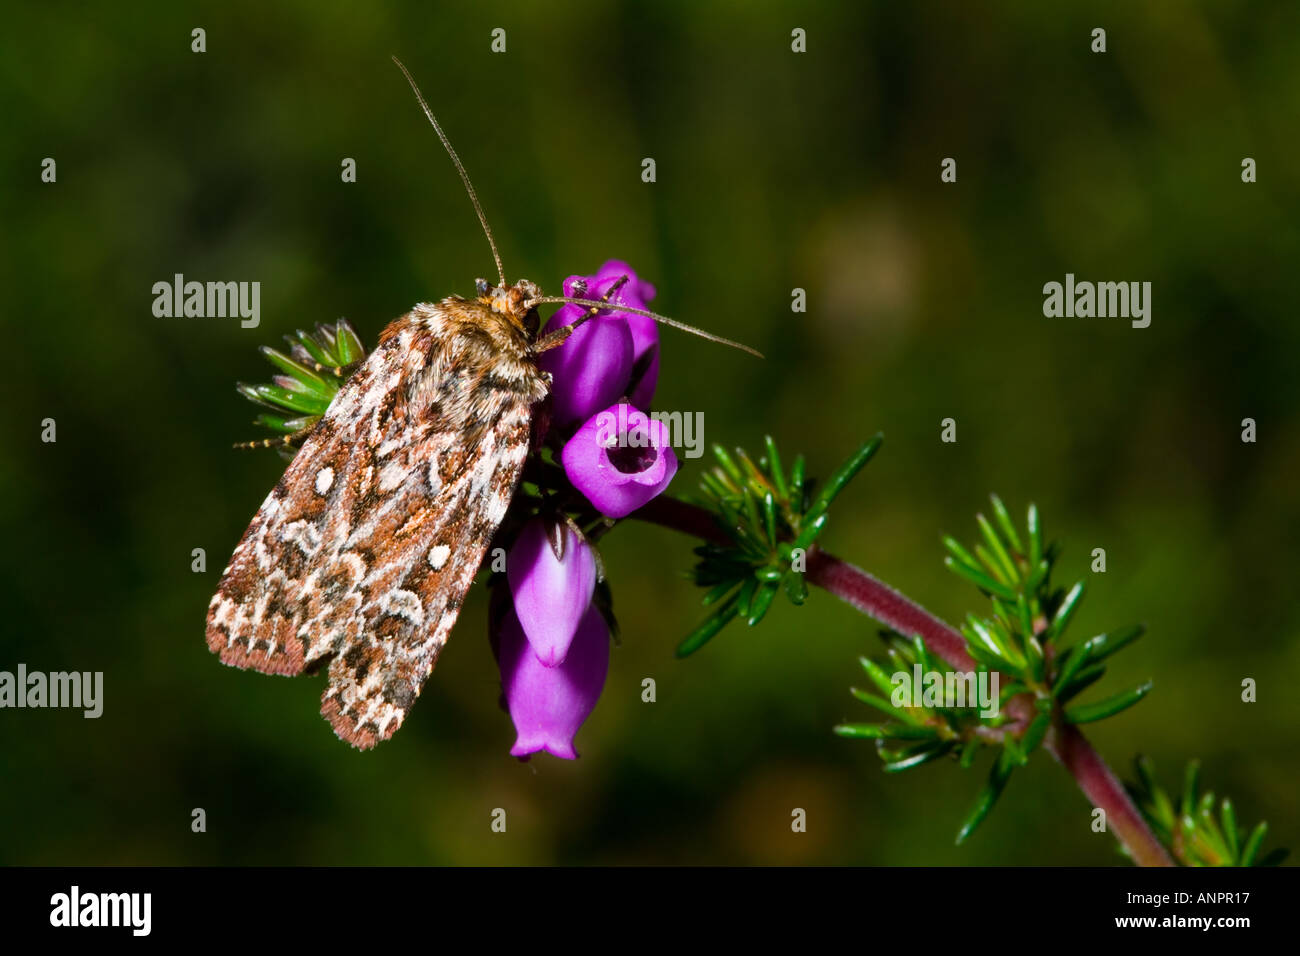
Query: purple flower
pixel 593 366
pixel 637 293
pixel 549 704
pixel 645 332
pixel 551 593
pixel 600 360
pixel 620 459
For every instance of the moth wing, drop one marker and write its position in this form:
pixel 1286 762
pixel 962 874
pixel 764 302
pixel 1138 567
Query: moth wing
pixel 411 598
pixel 292 550
pixel 366 547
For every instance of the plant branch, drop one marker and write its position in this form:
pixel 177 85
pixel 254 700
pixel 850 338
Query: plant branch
pixel 891 608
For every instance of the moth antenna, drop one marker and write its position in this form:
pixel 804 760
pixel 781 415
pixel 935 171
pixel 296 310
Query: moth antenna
pixel 595 306
pixel 464 176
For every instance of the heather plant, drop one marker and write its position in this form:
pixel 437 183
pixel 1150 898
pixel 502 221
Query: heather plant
pixel 601 458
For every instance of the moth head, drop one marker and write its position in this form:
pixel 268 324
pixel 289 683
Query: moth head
pixel 514 302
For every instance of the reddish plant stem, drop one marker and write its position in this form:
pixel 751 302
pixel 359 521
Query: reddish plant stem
pixel 886 605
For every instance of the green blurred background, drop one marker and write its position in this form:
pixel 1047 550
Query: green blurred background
pixel 775 171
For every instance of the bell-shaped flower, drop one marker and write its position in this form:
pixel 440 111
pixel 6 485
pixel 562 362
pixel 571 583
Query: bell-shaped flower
pixel 594 364
pixel 598 363
pixel 637 293
pixel 552 574
pixel 619 459
pixel 549 704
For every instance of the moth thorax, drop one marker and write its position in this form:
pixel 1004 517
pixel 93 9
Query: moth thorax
pixel 512 301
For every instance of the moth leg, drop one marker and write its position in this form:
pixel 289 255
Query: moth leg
pixel 292 440
pixel 618 284
pixel 553 340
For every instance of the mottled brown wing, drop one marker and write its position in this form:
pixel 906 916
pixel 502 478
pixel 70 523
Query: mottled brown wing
pixel 363 552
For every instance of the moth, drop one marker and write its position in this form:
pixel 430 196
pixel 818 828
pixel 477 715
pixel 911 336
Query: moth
pixel 359 559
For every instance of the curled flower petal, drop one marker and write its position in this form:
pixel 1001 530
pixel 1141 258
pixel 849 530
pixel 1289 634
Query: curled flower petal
pixel 550 593
pixel 549 704
pixel 619 459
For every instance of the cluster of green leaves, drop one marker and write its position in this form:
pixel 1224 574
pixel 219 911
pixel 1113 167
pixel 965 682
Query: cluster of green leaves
pixel 1192 831
pixel 1022 636
pixel 771 518
pixel 1019 639
pixel 309 377
pixel 916 732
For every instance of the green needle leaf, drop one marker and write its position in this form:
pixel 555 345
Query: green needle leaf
pixel 1035 537
pixel 769 518
pixel 845 473
pixel 1253 844
pixel 987 657
pixel 1070 663
pixel 980 579
pixel 921 754
pixel 747 589
pixel 308 342
pixel 718 593
pixel 1229 819
pixel 713 484
pixel 1069 605
pixel 1146 772
pixel 810 532
pixel 1104 645
pixel 305 376
pixel 1001 560
pixel 774 463
pixel 706 631
pixel 1087 713
pixel 1005 523
pixel 872 731
pixel 878 676
pixel 276 397
pixel 998 776
pixel 796 588
pixel 276 423
pixel 1079 683
pixel 762 601
pixel 346 344
pixel 886 731
pixel 960 553
pixel 1035 733
pixel 884 706
pixel 728 466
pixel 796 483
